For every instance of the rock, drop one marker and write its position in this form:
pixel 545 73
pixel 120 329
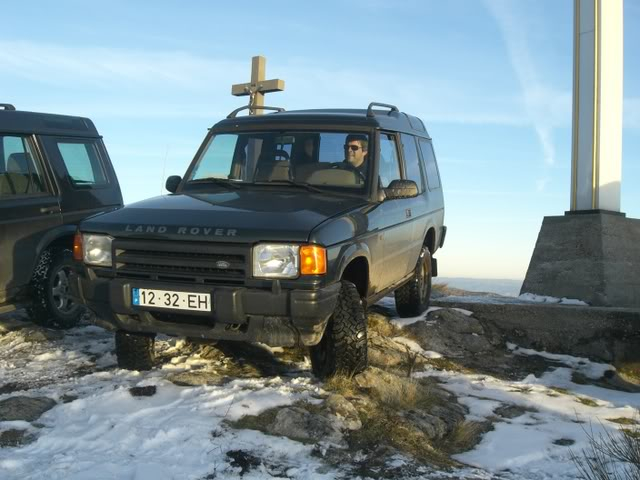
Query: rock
pixel 15 438
pixel 385 353
pixel 41 335
pixel 298 424
pixel 344 410
pixel 433 427
pixel 511 411
pixel 24 408
pixel 9 324
pixel 451 332
pixel 148 391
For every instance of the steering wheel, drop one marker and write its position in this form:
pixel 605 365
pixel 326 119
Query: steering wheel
pixel 347 166
pixel 280 155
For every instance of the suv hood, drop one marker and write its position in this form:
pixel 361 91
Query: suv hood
pixel 243 216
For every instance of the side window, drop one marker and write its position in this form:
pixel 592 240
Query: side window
pixel 20 173
pixel 82 162
pixel 433 179
pixel 412 161
pixel 217 158
pixel 389 168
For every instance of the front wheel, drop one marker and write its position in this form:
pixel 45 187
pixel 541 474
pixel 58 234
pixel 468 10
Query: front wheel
pixel 51 303
pixel 135 351
pixel 412 299
pixel 343 348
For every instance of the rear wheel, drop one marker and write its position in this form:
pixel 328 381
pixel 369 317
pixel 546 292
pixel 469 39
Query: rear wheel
pixel 412 299
pixel 51 303
pixel 343 348
pixel 135 351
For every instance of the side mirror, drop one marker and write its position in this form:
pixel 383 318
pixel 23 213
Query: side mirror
pixel 172 183
pixel 401 189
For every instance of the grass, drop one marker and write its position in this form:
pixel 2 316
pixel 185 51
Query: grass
pixel 465 435
pixel 610 456
pixel 380 425
pixel 561 390
pixel 587 401
pixel 446 364
pixel 623 421
pixel 380 324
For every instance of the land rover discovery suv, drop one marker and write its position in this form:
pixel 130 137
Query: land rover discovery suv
pixel 284 228
pixel 54 171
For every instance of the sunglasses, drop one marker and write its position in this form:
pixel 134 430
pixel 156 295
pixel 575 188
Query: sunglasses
pixel 353 148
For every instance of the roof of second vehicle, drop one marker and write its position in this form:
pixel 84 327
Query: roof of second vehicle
pixel 21 122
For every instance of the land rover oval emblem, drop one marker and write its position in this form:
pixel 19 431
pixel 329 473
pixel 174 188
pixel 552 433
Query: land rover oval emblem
pixel 222 264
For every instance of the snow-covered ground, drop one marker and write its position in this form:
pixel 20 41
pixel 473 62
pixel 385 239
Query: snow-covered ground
pixel 98 430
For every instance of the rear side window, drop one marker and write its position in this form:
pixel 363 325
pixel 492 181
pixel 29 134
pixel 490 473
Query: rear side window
pixel 412 161
pixel 433 179
pixel 82 162
pixel 20 173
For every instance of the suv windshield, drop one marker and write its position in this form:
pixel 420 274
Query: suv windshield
pixel 331 159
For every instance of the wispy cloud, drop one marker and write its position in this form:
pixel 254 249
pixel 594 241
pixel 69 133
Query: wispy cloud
pixel 546 107
pixel 131 83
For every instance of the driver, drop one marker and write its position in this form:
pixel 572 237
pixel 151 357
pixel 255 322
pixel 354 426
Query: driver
pixel 355 152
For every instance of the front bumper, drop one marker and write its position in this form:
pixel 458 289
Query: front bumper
pixel 275 317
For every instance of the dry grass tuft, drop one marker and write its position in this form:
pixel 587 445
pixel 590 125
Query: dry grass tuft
pixel 378 423
pixel 255 422
pixel 465 435
pixel 622 421
pixel 587 401
pixel 342 384
pixel 446 364
pixel 380 324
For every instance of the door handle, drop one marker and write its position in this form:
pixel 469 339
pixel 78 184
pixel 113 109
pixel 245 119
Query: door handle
pixel 50 210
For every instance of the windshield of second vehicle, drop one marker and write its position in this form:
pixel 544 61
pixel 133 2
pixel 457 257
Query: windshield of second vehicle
pixel 332 159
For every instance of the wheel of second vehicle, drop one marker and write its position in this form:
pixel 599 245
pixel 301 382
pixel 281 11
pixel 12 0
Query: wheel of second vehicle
pixel 51 303
pixel 343 348
pixel 135 351
pixel 412 299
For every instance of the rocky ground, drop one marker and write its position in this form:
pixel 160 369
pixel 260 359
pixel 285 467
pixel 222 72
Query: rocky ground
pixel 390 421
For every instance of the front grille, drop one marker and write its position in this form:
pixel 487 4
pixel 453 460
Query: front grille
pixel 189 262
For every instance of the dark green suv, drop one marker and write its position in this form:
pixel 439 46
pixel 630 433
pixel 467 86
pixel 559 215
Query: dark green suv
pixel 54 171
pixel 282 231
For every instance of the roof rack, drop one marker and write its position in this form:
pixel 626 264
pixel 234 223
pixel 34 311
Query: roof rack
pixel 254 107
pixel 7 106
pixel 392 108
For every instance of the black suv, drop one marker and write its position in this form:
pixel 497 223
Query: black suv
pixel 282 231
pixel 54 171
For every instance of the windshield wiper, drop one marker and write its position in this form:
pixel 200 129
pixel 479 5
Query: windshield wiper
pixel 308 186
pixel 225 182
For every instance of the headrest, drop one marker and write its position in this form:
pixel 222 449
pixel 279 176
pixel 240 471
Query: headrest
pixel 18 163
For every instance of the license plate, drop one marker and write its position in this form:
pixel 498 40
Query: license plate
pixel 145 297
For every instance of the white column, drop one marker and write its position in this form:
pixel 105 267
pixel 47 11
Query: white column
pixel 597 105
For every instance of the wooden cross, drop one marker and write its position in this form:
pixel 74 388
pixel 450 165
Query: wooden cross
pixel 258 86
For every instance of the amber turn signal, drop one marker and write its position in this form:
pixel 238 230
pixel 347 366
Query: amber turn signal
pixel 313 260
pixel 77 247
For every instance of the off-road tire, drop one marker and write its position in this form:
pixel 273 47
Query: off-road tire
pixel 412 299
pixel 50 303
pixel 343 348
pixel 135 351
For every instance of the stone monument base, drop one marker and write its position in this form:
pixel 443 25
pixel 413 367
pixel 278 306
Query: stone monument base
pixel 592 256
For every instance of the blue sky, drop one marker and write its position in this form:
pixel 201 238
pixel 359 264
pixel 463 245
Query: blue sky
pixel 491 79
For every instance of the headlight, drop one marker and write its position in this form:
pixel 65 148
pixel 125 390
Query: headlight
pixel 276 261
pixel 96 249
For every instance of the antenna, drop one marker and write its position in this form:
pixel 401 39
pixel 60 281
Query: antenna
pixel 164 167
